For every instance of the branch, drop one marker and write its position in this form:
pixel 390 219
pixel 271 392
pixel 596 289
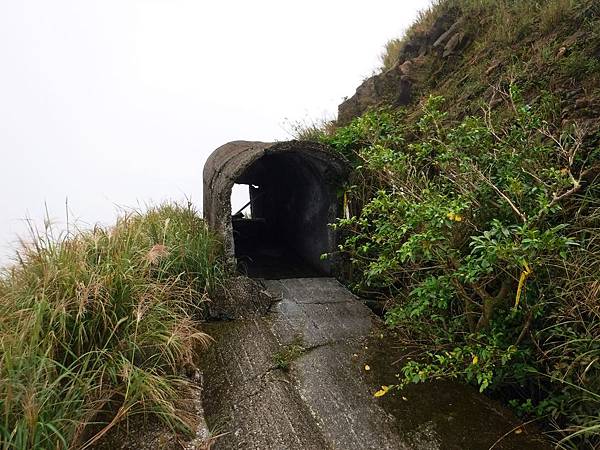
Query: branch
pixel 501 194
pixel 525 328
pixel 585 177
pixel 469 303
pixel 490 303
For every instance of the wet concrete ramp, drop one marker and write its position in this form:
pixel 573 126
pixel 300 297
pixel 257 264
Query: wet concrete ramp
pixel 296 379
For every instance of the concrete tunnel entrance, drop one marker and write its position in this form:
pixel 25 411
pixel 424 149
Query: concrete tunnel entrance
pixel 293 196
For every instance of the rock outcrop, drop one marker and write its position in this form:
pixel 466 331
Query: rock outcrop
pixel 394 86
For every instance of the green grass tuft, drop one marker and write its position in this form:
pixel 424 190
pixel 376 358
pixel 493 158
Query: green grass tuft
pixel 284 357
pixel 95 326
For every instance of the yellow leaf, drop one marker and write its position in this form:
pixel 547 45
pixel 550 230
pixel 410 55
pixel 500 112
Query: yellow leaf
pixel 381 392
pixel 455 217
pixel 522 280
pixel 346 206
pixel 475 359
pixel 367 367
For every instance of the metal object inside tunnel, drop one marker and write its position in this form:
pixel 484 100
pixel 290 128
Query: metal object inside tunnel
pixel 293 190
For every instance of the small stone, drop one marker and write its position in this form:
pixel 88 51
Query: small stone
pixel 572 40
pixel 453 44
pixel 447 33
pixel 406 67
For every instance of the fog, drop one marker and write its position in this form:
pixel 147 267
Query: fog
pixel 109 103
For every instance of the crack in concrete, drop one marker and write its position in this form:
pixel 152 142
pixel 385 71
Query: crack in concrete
pixel 263 387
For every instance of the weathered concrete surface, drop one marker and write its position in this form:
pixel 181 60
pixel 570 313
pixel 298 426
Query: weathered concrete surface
pixel 324 337
pixel 237 298
pixel 248 398
pixel 302 177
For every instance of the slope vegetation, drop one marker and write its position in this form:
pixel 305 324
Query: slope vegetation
pixel 97 326
pixel 473 210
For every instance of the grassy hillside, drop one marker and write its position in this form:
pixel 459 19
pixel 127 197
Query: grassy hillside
pixel 475 206
pixel 96 326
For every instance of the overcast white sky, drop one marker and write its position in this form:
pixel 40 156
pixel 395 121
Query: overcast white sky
pixel 120 102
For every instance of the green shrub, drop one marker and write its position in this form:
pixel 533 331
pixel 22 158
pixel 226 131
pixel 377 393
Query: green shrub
pixel 469 228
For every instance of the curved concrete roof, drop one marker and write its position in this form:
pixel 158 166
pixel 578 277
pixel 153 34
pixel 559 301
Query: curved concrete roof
pixel 228 162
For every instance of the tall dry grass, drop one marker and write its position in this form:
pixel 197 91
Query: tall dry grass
pixel 571 345
pixel 96 325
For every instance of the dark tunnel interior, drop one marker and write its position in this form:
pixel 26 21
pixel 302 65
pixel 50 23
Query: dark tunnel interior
pixel 284 231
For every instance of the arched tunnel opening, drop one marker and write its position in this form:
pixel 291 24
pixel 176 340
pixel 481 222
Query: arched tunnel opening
pixel 283 229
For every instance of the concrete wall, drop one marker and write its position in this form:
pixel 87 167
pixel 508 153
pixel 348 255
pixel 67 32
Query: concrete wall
pixel 300 180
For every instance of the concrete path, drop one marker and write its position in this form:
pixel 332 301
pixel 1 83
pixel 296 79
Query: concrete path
pixel 297 379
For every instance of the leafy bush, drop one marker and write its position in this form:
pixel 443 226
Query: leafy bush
pixel 96 326
pixel 477 231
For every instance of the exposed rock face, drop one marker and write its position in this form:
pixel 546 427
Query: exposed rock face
pixel 444 37
pixel 393 87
